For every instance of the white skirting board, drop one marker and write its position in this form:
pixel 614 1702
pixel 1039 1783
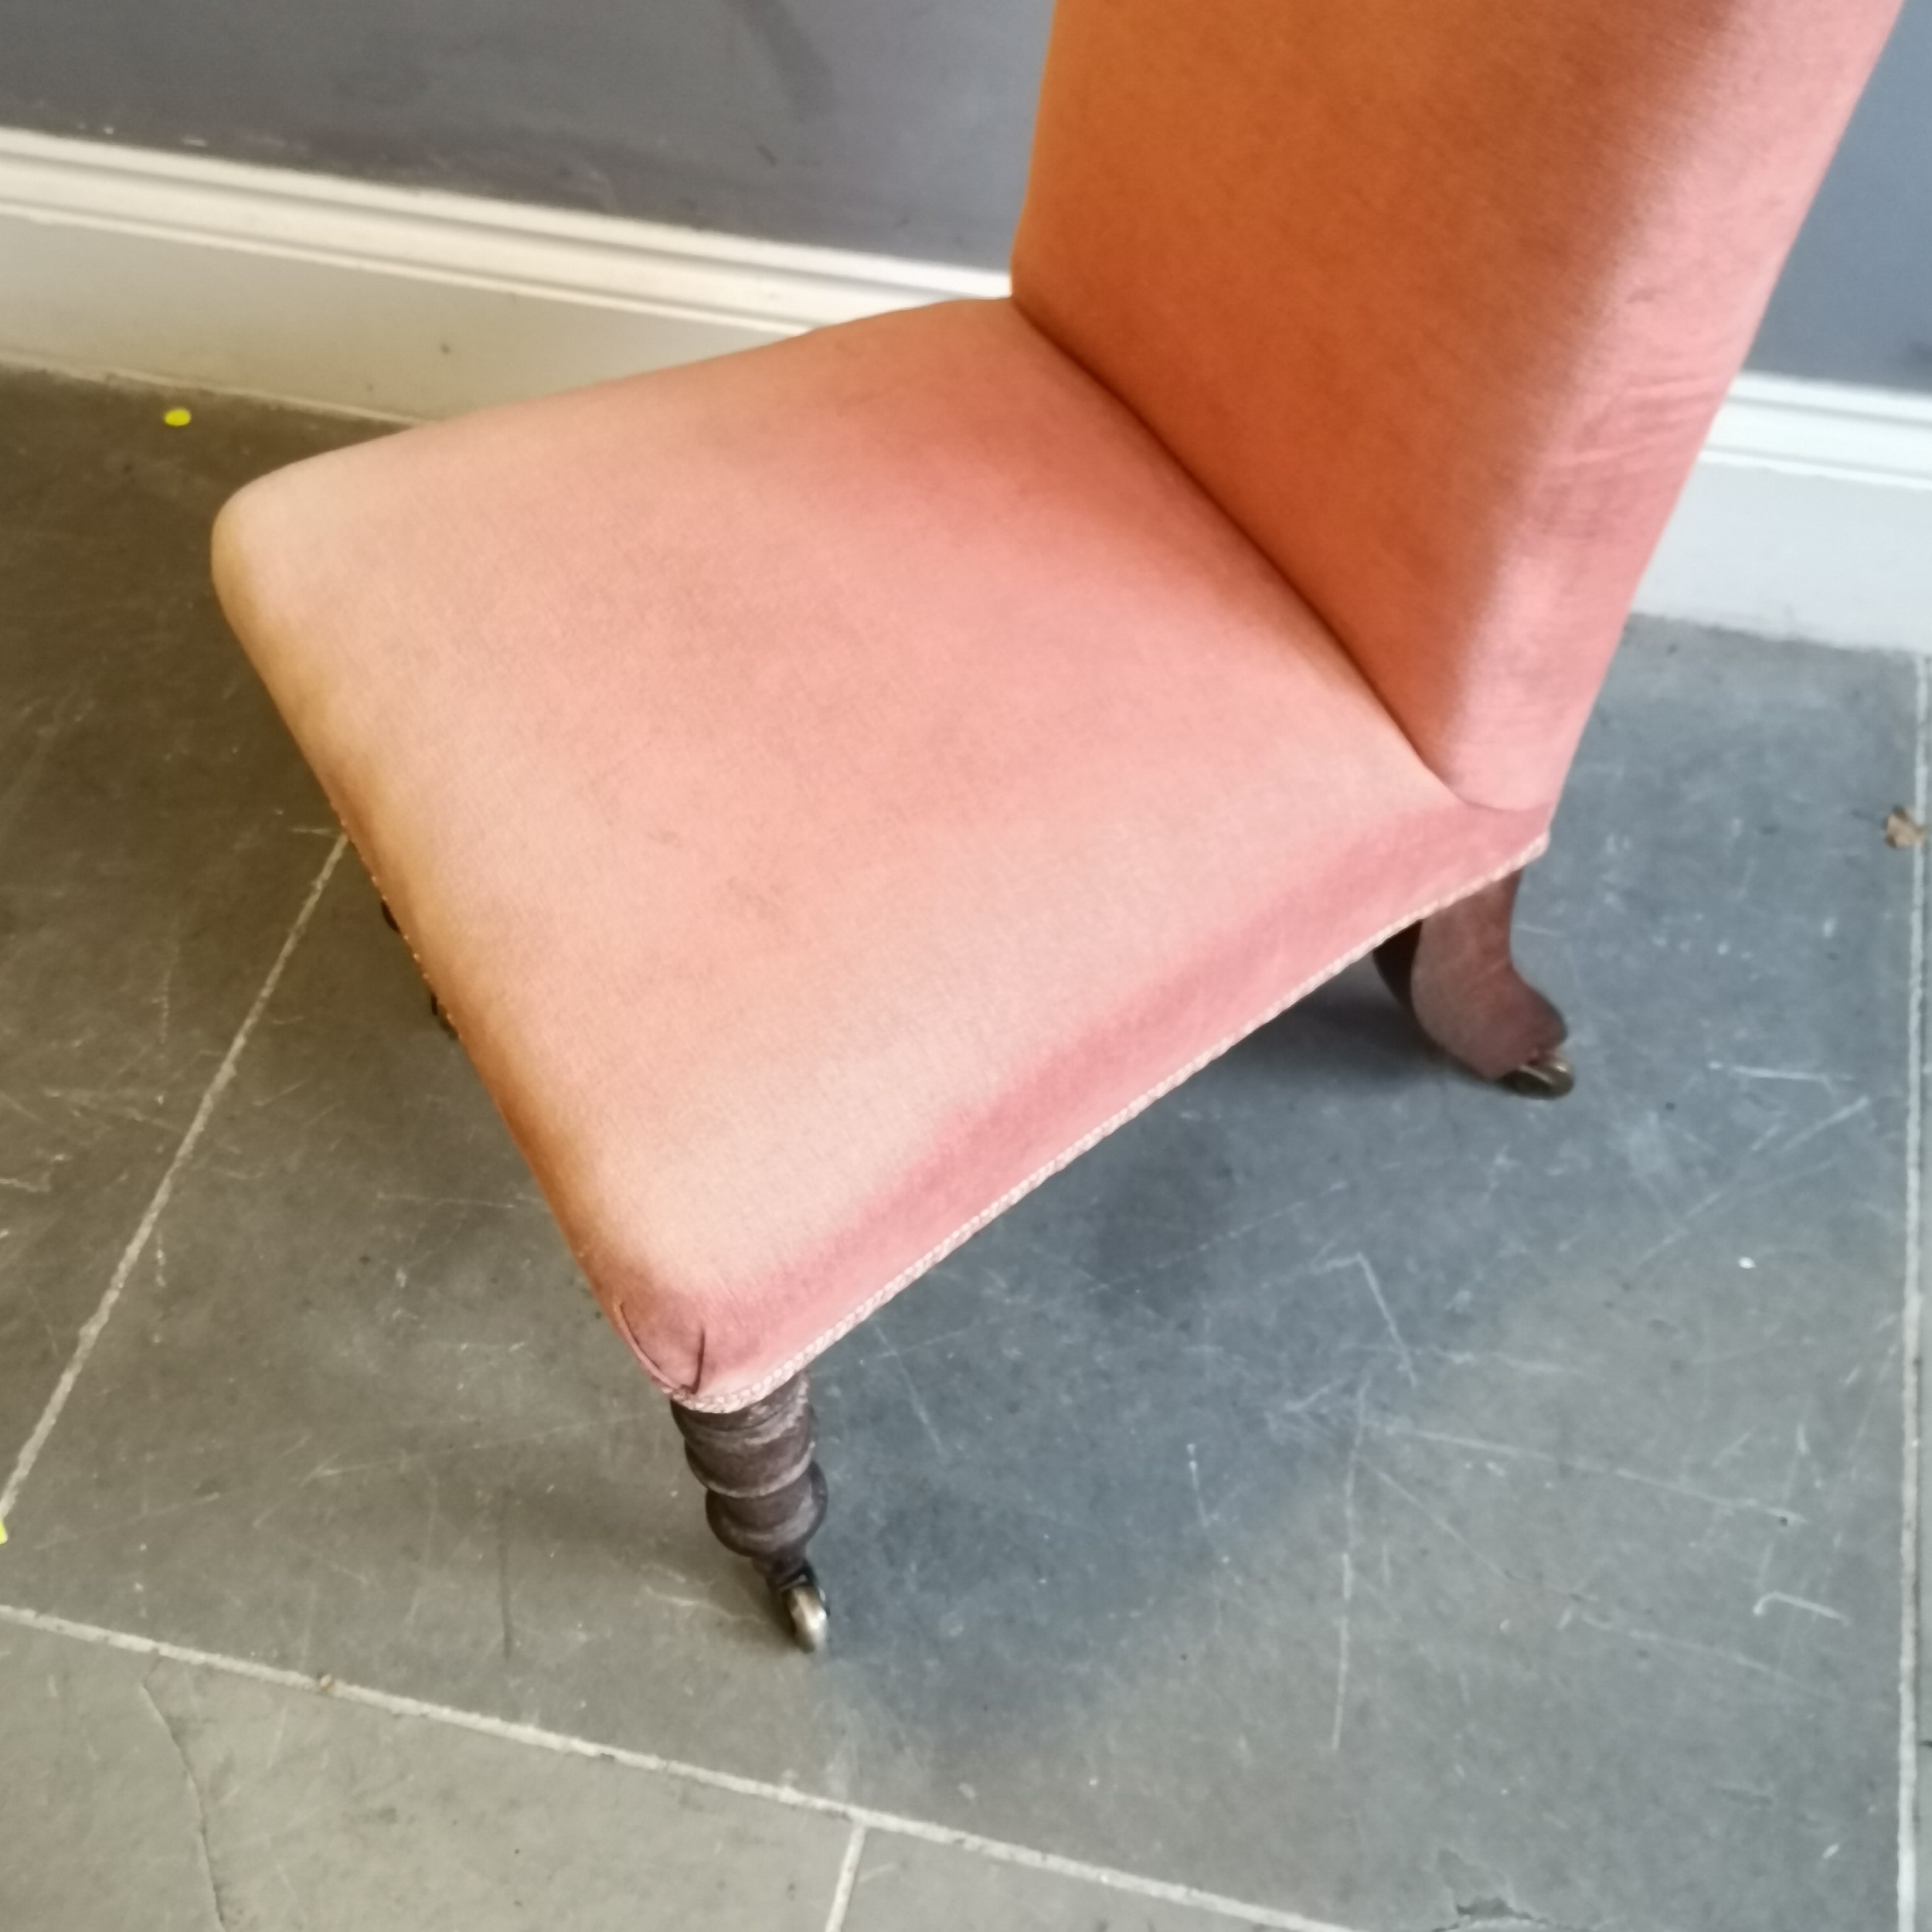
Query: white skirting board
pixel 1809 515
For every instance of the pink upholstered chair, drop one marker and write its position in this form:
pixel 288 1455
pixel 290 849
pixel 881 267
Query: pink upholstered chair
pixel 830 787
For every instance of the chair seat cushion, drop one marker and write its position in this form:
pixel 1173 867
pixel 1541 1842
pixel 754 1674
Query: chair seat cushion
pixel 828 787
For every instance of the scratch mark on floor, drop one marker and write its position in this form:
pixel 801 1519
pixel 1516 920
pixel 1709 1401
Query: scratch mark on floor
pixel 1781 1512
pixel 700 1603
pixel 1801 1450
pixel 1194 1477
pixel 1449 1529
pixel 401 1459
pixel 166 993
pixel 1346 1622
pixel 1798 1602
pixel 1225 1238
pixel 1360 1260
pixel 1731 1192
pixel 1734 1658
pixel 1849 1111
pixel 1773 1073
pixel 1482 1358
pixel 913 1397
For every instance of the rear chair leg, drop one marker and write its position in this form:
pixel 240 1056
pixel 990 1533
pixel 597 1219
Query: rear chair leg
pixel 767 1495
pixel 1454 973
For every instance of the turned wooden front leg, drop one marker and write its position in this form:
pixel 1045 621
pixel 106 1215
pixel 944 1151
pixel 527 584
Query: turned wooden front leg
pixel 765 1494
pixel 1453 972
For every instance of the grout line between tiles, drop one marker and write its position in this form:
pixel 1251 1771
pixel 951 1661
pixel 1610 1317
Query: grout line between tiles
pixel 91 1333
pixel 1911 1322
pixel 848 1877
pixel 886 1823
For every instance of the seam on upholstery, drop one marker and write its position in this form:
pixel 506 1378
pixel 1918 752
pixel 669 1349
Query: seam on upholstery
pixel 1017 298
pixel 739 1398
pixel 621 1316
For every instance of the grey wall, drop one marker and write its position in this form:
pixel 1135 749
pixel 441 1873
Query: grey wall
pixel 895 125
pixel 1855 301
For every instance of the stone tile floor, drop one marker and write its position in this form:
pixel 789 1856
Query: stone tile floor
pixel 1352 1497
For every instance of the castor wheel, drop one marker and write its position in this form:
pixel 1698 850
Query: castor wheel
pixel 1548 1076
pixel 803 1605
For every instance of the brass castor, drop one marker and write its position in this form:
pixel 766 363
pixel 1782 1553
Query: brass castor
pixel 802 1604
pixel 1454 973
pixel 1548 1076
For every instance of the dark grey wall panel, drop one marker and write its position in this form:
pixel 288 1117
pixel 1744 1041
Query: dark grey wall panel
pixel 1855 301
pixel 895 125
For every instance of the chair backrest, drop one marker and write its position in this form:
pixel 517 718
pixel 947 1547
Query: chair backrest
pixel 1437 299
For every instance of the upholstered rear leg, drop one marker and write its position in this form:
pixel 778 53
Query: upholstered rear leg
pixel 766 1494
pixel 1454 973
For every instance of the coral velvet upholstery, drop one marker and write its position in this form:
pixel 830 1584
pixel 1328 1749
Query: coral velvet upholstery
pixel 825 785
pixel 832 785
pixel 1437 298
